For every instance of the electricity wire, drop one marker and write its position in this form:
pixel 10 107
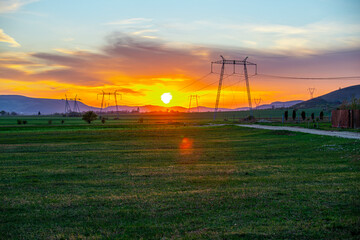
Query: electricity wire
pixel 311 78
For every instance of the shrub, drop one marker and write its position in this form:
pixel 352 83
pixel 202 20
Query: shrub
pixel 103 120
pixel 321 115
pixel 24 122
pixel 89 116
pixel 19 121
pixel 303 115
pixel 62 121
pixel 294 114
pixel 286 115
pixel 50 122
pixel 353 105
pixel 312 116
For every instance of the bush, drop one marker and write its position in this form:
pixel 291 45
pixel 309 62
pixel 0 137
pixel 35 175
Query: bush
pixel 62 121
pixel 303 115
pixel 286 115
pixel 89 116
pixel 353 105
pixel 103 120
pixel 294 114
pixel 312 116
pixel 24 122
pixel 19 121
pixel 50 122
pixel 321 115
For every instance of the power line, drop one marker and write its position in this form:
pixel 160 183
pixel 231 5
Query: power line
pixel 312 78
pixel 195 81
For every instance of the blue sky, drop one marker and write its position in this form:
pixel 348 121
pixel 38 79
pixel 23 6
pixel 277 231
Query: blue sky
pixel 52 47
pixel 272 25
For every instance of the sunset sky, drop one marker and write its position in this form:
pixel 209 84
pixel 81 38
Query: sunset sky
pixel 49 48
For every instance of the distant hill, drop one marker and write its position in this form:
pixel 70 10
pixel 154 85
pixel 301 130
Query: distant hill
pixel 279 104
pixel 332 99
pixel 31 106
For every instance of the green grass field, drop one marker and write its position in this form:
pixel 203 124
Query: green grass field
pixel 125 180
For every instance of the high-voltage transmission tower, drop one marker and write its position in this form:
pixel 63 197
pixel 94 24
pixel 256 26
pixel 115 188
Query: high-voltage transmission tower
pixel 223 62
pixel 311 91
pixel 196 97
pixel 76 107
pixel 67 105
pixel 257 102
pixel 115 94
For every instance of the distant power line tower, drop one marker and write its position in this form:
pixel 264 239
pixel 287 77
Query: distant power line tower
pixel 223 62
pixel 311 91
pixel 257 102
pixel 197 103
pixel 76 107
pixel 115 94
pixel 67 105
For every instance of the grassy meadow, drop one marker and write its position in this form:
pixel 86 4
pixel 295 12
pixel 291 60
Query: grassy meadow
pixel 164 179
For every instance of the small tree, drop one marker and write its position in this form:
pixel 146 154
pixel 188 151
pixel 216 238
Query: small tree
pixel 303 115
pixel 286 115
pixel 103 120
pixel 312 116
pixel 89 116
pixel 294 115
pixel 321 115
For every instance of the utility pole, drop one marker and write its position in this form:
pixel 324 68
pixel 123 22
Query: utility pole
pixel 233 62
pixel 311 91
pixel 109 94
pixel 197 103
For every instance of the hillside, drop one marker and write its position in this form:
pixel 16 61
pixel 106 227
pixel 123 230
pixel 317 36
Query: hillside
pixel 332 99
pixel 31 106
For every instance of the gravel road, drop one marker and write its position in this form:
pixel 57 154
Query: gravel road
pixel 352 135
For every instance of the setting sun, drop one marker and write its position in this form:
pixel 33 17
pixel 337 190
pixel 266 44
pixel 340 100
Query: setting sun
pixel 166 97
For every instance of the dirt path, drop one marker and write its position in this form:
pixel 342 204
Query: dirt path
pixel 352 135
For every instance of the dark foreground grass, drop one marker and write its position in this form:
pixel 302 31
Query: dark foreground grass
pixel 175 182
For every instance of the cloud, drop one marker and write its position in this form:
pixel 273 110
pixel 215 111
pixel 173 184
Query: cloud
pixel 145 68
pixel 6 38
pixel 129 21
pixel 131 91
pixel 320 36
pixel 13 5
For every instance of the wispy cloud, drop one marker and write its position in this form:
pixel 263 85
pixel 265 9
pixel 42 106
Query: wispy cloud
pixel 309 38
pixel 6 38
pixel 129 21
pixel 13 5
pixel 145 31
pixel 144 68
